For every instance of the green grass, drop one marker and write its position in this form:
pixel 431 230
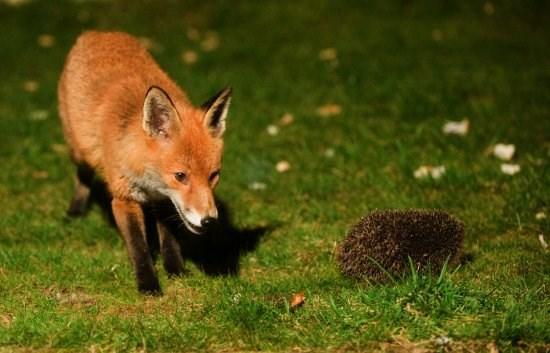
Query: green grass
pixel 68 284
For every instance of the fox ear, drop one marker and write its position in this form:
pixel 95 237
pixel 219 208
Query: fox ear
pixel 160 117
pixel 215 111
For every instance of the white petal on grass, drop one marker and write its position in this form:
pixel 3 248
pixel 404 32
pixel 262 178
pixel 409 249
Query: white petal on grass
pixel 272 130
pixel 503 151
pixel 329 153
pixel 425 171
pixel 456 127
pixel 257 186
pixel 510 169
pixel 39 115
pixel 46 40
pixel 540 216
pixel 543 242
pixel 282 166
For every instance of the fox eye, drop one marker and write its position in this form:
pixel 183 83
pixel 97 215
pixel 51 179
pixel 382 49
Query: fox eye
pixel 181 177
pixel 214 176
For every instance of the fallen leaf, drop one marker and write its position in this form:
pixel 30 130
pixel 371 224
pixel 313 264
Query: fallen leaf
pixel 59 148
pixel 282 166
pixel 210 42
pixel 31 86
pixel 39 115
pixel 272 130
pixel 492 347
pixel 257 186
pixel 6 320
pixel 298 299
pixel 424 171
pixel 510 169
pixel 328 54
pixel 540 216
pixel 40 174
pixel 46 40
pixel 437 35
pixel 286 119
pixel 83 16
pixel 328 110
pixel 456 127
pixel 193 34
pixel 503 151
pixel 15 3
pixel 543 242
pixel 489 8
pixel 189 57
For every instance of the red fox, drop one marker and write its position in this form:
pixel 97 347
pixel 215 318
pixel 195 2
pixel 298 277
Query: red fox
pixel 125 120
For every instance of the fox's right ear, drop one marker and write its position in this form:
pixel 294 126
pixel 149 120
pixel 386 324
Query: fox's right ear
pixel 160 117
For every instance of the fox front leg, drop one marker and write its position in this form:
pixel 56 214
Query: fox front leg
pixel 129 218
pixel 170 251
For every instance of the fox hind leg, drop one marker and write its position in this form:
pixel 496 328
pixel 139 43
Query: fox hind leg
pixel 81 198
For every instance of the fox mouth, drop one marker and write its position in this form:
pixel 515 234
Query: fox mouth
pixel 190 226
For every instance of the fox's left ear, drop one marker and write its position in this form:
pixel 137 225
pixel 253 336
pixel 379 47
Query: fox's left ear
pixel 215 111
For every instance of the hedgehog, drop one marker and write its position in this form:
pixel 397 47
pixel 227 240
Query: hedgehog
pixel 383 244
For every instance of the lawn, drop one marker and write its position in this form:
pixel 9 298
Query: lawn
pixel 393 75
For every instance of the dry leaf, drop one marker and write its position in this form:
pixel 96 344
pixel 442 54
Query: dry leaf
pixel 492 347
pixel 257 186
pixel 15 3
pixel 286 119
pixel 297 300
pixel 437 35
pixel 6 320
pixel 40 174
pixel 425 171
pixel 282 166
pixel 456 127
pixel 193 34
pixel 46 40
pixel 328 110
pixel 211 42
pixel 540 216
pixel 59 148
pixel 328 54
pixel 39 115
pixel 189 57
pixel 489 8
pixel 83 16
pixel 31 86
pixel 503 151
pixel 543 242
pixel 510 169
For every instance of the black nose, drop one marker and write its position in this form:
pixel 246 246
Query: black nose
pixel 208 222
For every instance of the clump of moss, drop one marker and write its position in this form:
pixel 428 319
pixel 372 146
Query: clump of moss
pixel 380 245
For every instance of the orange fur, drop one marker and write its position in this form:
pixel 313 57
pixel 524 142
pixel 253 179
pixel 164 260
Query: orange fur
pixel 101 103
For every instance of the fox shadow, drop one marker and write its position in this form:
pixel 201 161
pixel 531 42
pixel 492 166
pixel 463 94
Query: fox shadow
pixel 216 252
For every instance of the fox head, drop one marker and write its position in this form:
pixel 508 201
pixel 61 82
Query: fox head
pixel 187 147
